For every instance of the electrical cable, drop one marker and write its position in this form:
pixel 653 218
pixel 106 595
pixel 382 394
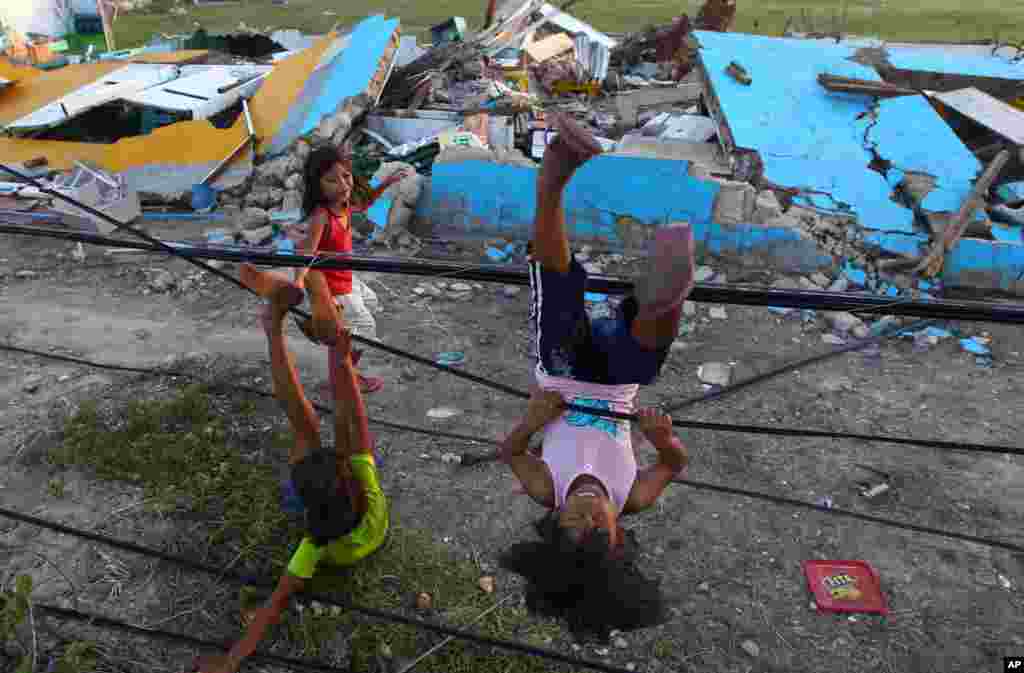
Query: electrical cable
pixel 384 615
pixel 822 300
pixel 699 485
pixel 799 364
pixel 699 425
pixel 161 634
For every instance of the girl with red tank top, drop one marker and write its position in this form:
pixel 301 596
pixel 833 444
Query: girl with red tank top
pixel 327 207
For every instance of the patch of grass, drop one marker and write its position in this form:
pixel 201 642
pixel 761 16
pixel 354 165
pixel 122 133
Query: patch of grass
pixel 178 452
pixel 943 20
pixel 77 657
pixel 181 453
pixel 56 487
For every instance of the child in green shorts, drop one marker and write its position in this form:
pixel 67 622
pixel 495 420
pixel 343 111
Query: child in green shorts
pixel 339 490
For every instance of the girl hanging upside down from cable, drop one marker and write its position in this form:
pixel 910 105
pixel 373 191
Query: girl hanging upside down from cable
pixel 327 206
pixel 587 474
pixel 338 488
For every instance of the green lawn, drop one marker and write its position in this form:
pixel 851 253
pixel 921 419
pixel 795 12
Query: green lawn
pixel 937 20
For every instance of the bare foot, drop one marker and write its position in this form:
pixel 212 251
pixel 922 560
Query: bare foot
pixel 572 148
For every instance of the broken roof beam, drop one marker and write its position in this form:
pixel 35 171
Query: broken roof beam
pixel 837 84
pixel 995 115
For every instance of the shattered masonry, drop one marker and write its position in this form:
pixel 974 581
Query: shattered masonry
pixel 842 154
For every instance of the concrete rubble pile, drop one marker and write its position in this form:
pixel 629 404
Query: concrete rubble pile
pixel 821 176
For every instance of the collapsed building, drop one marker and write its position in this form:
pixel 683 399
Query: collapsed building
pixel 800 153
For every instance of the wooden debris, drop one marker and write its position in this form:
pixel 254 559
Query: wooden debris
pixel 838 84
pixel 931 265
pixel 738 73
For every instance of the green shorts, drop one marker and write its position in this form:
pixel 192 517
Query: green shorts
pixel 367 537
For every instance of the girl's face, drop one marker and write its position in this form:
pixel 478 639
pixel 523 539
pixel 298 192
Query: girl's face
pixel 336 184
pixel 586 509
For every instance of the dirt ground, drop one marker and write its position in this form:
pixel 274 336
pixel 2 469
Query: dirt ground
pixel 730 565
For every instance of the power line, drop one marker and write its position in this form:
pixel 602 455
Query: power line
pixel 799 364
pixel 161 634
pixel 692 484
pixel 698 425
pixel 393 617
pixel 822 300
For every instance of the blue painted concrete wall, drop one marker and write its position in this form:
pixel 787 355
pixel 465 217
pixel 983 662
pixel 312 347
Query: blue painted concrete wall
pixel 976 263
pixel 973 65
pixel 477 198
pixel 810 138
pixel 483 198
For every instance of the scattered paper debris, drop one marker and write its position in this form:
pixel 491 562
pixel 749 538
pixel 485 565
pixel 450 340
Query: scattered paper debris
pixel 443 412
pixel 975 346
pixel 715 373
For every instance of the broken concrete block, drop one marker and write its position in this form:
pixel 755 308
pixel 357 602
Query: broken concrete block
pixel 715 373
pixel 785 221
pixel 259 198
pixel 300 150
pixel 291 201
pixel 735 203
pixel 698 171
pixel 254 217
pixel 328 126
pixel 841 321
pixel 808 284
pixel 917 185
pixel 820 279
pixel 275 171
pixel 294 181
pixel 841 284
pixel 343 124
pixel 766 207
pixel 408 190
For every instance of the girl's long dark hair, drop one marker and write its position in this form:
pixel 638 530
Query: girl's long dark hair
pixel 586 584
pixel 319 162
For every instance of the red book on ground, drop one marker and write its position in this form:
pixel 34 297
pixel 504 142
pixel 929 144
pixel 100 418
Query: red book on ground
pixel 845 586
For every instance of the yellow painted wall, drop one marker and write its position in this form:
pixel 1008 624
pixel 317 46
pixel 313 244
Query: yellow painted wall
pixel 184 57
pixel 193 142
pixel 15 72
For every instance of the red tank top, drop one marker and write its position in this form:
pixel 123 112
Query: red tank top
pixel 337 237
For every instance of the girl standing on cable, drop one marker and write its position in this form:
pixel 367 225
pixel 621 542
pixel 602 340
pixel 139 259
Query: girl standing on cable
pixel 327 206
pixel 586 473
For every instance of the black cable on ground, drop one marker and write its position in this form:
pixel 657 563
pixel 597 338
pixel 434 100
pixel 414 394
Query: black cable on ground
pixel 822 300
pixel 799 364
pixel 469 459
pixel 255 391
pixel 749 429
pixel 160 634
pixel 698 425
pixel 384 615
pixel 780 500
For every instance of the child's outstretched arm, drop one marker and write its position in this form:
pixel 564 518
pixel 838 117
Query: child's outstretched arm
pixel 673 458
pixel 376 193
pixel 317 224
pixel 260 620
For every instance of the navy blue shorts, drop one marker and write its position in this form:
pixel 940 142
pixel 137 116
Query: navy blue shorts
pixel 570 345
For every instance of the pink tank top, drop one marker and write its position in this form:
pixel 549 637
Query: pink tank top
pixel 578 443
